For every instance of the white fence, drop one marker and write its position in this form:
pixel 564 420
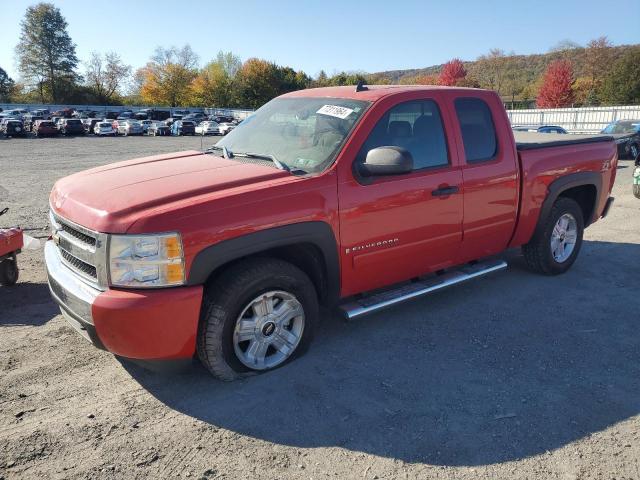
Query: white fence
pixel 575 120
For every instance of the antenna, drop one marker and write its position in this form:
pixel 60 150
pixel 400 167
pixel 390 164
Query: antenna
pixel 360 87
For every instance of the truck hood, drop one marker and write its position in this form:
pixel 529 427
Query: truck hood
pixel 110 198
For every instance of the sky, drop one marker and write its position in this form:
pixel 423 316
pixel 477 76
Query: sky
pixel 330 35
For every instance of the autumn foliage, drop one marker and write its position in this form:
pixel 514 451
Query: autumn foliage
pixel 557 86
pixel 453 73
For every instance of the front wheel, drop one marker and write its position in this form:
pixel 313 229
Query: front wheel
pixel 256 316
pixel 556 243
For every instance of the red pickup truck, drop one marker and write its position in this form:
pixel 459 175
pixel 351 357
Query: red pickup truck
pixel 355 199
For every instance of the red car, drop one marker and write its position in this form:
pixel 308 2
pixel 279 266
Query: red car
pixel 45 128
pixel 355 199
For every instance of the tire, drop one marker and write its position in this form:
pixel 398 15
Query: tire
pixel 539 253
pixel 9 272
pixel 232 295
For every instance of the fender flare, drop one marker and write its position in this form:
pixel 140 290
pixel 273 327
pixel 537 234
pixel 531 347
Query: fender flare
pixel 564 183
pixel 318 233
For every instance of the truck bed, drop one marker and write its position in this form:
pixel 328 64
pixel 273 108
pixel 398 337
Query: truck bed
pixel 534 140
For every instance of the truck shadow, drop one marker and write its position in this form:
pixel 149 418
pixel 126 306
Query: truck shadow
pixel 26 303
pixel 492 371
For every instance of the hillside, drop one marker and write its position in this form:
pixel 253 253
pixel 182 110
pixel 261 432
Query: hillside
pixel 531 66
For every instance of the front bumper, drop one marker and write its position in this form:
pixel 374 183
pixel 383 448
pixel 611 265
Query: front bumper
pixel 153 324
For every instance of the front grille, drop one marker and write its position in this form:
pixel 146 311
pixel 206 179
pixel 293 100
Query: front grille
pixel 82 250
pixel 79 265
pixel 84 238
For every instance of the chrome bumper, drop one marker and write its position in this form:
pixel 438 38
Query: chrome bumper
pixel 74 297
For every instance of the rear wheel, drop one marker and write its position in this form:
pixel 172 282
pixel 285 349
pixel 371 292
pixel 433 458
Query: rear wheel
pixel 557 241
pixel 256 316
pixel 9 272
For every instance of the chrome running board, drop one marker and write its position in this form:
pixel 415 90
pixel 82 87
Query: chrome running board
pixel 358 307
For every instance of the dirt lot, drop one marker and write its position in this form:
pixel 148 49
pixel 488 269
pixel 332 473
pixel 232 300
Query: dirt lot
pixel 513 376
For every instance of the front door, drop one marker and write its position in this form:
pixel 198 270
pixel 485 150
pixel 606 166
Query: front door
pixel 394 228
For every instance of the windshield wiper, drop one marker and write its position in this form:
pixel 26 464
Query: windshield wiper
pixel 226 153
pixel 265 156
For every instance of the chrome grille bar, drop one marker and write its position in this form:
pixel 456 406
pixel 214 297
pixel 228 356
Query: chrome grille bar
pixel 82 250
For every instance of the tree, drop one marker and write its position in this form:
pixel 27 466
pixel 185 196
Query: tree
pixel 491 69
pixel 167 78
pixel 452 73
pixel 556 90
pixel 257 83
pixel 597 60
pixel 622 85
pixel 212 87
pixel 322 79
pixel 46 55
pixel 6 86
pixel 564 45
pixel 105 75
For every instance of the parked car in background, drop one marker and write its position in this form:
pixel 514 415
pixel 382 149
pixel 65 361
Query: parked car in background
pixel 159 129
pixel 45 128
pixel 64 113
pixel 129 127
pixel 183 127
pixel 126 115
pixel 145 125
pixel 627 135
pixel 169 121
pixel 222 118
pixel 540 129
pixel 226 127
pixel 104 129
pixel 180 113
pixel 195 117
pixel 107 115
pixel 13 127
pixel 90 123
pixel 72 126
pixel 207 128
pixel 152 114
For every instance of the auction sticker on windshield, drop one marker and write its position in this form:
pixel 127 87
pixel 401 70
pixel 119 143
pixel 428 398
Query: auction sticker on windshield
pixel 335 111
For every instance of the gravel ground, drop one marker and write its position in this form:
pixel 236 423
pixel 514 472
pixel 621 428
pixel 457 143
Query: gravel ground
pixel 512 376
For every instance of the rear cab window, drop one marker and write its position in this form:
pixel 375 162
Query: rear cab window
pixel 477 129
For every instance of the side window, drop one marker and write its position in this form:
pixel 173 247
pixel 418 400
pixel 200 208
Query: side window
pixel 478 130
pixel 416 126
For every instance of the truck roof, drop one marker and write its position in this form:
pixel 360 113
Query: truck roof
pixel 372 92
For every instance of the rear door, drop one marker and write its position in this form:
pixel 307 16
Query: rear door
pixel 490 174
pixel 394 228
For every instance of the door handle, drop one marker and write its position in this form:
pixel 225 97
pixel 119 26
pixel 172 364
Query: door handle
pixel 444 191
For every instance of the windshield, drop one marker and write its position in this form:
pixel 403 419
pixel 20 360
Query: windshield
pixel 622 127
pixel 302 133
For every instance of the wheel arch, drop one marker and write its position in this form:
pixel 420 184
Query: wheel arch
pixel 583 187
pixel 311 246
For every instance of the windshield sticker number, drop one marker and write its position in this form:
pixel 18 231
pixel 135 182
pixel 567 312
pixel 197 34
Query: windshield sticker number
pixel 335 111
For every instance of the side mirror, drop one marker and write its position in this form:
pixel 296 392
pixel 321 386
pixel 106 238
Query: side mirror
pixel 387 161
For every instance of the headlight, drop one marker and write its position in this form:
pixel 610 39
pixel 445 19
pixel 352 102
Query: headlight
pixel 146 260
